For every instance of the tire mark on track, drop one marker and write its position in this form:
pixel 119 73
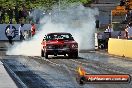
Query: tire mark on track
pixel 103 66
pixel 59 62
pixel 65 68
pixel 26 75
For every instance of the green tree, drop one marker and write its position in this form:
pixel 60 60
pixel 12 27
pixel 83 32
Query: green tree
pixel 46 4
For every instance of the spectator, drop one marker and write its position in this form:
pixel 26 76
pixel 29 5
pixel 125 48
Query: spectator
pixel 9 33
pixel 33 29
pixel 21 32
pixel 128 16
pixel 109 29
pixel 26 35
pixel 126 32
pixel 129 31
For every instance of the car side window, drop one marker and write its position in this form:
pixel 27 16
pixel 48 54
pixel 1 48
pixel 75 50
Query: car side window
pixel 47 38
pixel 70 37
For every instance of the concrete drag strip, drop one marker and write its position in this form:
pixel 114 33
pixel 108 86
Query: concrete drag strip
pixel 56 72
pixel 39 73
pixel 15 77
pixel 28 78
pixel 104 61
pixel 5 79
pixel 70 72
pixel 63 67
pixel 100 66
pixel 99 69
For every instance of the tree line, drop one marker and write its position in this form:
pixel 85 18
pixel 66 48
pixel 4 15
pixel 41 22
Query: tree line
pixel 45 4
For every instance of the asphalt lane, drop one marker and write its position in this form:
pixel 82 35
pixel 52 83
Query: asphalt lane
pixel 60 72
pixel 38 74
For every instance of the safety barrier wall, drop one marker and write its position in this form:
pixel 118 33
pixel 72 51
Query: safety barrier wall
pixel 121 47
pixel 3 28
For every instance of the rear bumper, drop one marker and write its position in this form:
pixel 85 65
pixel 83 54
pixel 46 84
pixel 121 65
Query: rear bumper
pixel 61 51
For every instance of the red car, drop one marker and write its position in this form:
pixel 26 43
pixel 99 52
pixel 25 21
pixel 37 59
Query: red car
pixel 59 44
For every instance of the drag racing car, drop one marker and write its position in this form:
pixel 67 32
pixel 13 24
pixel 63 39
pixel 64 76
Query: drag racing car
pixel 59 44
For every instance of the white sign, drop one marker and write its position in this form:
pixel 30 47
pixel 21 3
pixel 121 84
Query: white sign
pixel 14 27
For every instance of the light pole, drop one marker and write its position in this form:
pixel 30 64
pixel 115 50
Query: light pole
pixel 59 5
pixel 111 17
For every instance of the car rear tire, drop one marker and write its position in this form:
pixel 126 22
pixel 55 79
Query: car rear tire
pixel 75 55
pixel 42 53
pixel 69 56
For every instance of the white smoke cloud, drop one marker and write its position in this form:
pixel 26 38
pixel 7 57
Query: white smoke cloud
pixel 78 20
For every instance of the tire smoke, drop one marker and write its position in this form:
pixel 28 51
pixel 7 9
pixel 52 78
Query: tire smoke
pixel 78 20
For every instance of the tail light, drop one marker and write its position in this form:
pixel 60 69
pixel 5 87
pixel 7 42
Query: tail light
pixel 49 46
pixel 74 45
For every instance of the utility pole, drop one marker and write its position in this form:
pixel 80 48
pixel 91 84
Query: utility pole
pixel 111 17
pixel 59 5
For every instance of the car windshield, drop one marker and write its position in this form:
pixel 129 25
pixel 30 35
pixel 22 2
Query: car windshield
pixel 59 36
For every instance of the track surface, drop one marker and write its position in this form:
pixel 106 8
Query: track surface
pixel 60 72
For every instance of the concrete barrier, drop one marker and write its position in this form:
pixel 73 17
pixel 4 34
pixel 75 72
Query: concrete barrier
pixel 121 47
